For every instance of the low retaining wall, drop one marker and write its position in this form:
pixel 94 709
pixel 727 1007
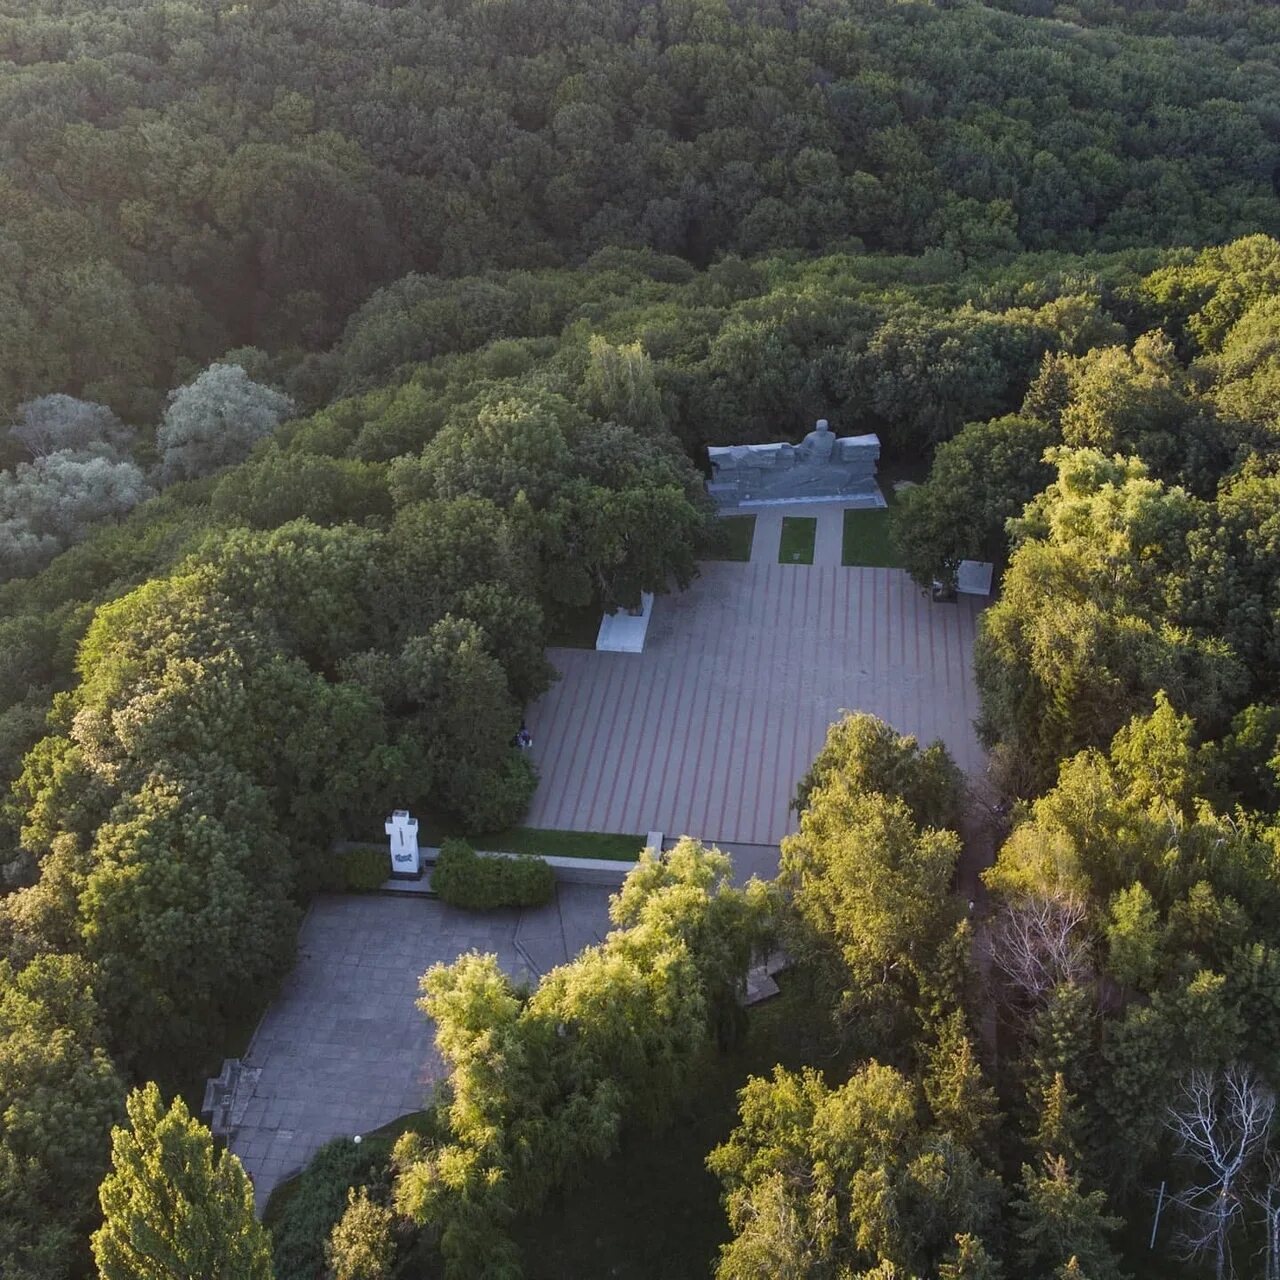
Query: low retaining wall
pixel 585 870
pixel 602 871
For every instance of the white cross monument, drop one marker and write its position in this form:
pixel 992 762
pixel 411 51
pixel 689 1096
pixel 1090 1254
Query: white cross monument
pixel 403 830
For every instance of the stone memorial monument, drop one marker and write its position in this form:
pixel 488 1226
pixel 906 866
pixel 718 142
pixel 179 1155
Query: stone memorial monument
pixel 406 862
pixel 824 467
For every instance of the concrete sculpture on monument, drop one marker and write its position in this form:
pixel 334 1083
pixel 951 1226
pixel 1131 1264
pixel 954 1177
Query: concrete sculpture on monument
pixel 403 830
pixel 824 467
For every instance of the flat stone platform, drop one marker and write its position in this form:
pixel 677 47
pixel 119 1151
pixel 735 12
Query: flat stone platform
pixel 707 732
pixel 344 1048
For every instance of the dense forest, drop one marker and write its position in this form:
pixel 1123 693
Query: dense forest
pixel 348 349
pixel 182 179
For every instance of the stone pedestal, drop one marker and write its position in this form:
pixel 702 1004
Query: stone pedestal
pixel 973 577
pixel 624 630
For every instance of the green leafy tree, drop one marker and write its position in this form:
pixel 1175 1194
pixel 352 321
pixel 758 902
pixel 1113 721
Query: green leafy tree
pixel 970 1261
pixel 620 386
pixel 871 892
pixel 172 1207
pixel 1081 637
pixel 980 479
pixel 279 487
pixel 1056 1129
pixel 863 753
pixel 186 910
pixel 607 547
pixel 436 552
pixel 512 446
pixel 1235 560
pixel 924 380
pixel 457 695
pixel 215 420
pixel 1245 764
pixel 827 1177
pixel 1139 402
pixel 59 1095
pixel 361 1246
pixel 962 1103
pixel 1133 938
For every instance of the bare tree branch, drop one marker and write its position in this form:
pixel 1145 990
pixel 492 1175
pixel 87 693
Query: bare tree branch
pixel 1038 943
pixel 1221 1121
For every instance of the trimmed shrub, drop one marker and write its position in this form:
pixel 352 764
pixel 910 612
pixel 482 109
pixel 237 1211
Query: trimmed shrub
pixel 494 799
pixel 354 871
pixel 463 878
pixel 366 869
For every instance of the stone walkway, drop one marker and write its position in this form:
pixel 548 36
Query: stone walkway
pixel 344 1049
pixel 708 731
pixel 828 546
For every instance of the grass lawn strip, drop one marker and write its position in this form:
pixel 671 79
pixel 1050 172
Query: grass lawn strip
pixel 866 542
pixel 565 844
pixel 798 536
pixel 612 846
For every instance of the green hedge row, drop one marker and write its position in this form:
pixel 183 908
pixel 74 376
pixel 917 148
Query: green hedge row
pixel 355 871
pixel 464 879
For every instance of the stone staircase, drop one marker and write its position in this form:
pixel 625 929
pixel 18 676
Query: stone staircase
pixel 227 1095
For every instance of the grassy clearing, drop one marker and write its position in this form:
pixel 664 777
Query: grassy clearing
pixel 613 846
pixel 796 545
pixel 865 541
pixel 733 540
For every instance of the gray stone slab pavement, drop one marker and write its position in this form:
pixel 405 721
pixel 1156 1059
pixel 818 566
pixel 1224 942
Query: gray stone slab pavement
pixel 708 730
pixel 767 535
pixel 344 1049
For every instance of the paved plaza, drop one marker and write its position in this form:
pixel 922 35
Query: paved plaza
pixel 343 1049
pixel 707 732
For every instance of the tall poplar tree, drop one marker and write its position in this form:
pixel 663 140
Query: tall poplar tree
pixel 174 1208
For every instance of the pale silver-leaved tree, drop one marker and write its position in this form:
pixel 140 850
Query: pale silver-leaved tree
pixel 214 421
pixel 57 423
pixel 53 501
